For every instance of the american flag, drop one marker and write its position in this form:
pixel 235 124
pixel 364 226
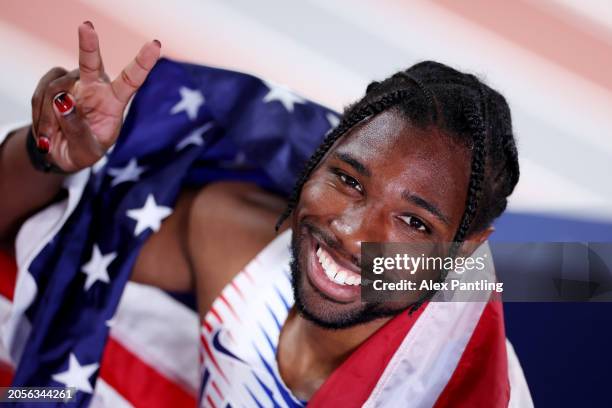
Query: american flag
pixel 188 125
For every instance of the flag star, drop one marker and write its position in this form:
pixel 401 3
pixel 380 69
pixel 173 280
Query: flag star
pixel 77 375
pixel 148 216
pixel 97 267
pixel 131 172
pixel 283 95
pixel 195 137
pixel 99 164
pixel 333 120
pixel 111 322
pixel 191 100
pixel 103 160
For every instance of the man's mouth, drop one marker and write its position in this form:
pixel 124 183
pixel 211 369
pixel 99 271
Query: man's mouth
pixel 335 279
pixel 335 272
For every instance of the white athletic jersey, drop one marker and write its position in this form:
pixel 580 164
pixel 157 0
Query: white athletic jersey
pixel 239 335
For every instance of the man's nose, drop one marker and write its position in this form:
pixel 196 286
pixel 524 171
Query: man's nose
pixel 354 227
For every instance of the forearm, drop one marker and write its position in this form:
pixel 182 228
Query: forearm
pixel 23 189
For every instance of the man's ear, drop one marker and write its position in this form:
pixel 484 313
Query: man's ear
pixel 474 240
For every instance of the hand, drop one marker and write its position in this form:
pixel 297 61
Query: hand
pixel 81 112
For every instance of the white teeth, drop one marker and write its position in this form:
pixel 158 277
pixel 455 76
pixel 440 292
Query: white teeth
pixel 334 272
pixel 340 277
pixel 327 263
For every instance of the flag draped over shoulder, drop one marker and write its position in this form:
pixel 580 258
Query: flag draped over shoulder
pixel 187 125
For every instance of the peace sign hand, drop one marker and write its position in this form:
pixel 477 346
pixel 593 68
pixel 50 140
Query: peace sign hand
pixel 80 113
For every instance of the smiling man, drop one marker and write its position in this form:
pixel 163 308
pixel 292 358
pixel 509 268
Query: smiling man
pixel 427 155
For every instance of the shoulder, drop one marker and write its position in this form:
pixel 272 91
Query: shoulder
pixel 229 224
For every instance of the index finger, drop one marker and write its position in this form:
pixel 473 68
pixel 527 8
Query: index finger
pixel 90 60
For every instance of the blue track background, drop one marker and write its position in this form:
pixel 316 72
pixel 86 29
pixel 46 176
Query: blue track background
pixel 564 348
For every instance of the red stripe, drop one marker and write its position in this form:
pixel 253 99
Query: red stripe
pixel 6 374
pixel 216 387
pixel 210 401
pixel 229 306
pixel 364 366
pixel 481 377
pixel 216 314
pixel 139 383
pixel 213 359
pixel 235 286
pixel 8 275
pixel 207 326
pixel 248 275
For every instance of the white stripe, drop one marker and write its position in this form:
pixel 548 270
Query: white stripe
pixel 34 234
pixel 106 396
pixel 520 397
pixel 428 356
pixel 160 331
pixel 5 312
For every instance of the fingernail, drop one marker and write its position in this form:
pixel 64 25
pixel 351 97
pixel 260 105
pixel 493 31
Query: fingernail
pixel 43 144
pixel 63 103
pixel 157 43
pixel 89 23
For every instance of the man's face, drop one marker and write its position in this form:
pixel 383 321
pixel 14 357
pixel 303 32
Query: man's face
pixel 385 181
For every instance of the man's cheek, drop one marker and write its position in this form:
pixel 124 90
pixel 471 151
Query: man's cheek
pixel 320 198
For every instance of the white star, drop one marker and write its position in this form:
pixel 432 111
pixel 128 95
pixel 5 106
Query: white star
pixel 97 267
pixel 131 172
pixel 195 137
pixel 77 376
pixel 111 322
pixel 191 100
pixel 283 95
pixel 99 164
pixel 103 160
pixel 332 119
pixel 148 216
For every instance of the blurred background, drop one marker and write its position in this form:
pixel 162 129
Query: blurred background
pixel 552 59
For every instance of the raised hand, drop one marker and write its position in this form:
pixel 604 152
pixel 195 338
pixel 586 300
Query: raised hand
pixel 78 114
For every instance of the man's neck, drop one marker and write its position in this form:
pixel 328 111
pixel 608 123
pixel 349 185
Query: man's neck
pixel 308 354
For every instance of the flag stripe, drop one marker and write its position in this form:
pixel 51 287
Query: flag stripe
pixel 481 374
pixel 8 270
pixel 139 383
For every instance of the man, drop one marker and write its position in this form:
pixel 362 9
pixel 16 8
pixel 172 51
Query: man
pixel 427 155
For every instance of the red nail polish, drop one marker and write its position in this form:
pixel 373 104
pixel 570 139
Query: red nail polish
pixel 43 144
pixel 63 102
pixel 89 23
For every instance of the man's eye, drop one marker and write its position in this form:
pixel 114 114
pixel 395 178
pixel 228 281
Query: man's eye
pixel 414 222
pixel 349 181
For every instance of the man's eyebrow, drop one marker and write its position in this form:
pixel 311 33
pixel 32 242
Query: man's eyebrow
pixel 426 205
pixel 354 163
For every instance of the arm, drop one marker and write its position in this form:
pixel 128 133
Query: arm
pixel 80 114
pixel 25 188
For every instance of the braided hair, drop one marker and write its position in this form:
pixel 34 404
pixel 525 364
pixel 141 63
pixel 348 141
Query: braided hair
pixel 431 94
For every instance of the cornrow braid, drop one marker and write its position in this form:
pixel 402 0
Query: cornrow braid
pixel 478 122
pixel 431 100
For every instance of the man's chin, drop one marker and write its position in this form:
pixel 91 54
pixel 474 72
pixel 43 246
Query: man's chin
pixel 314 306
